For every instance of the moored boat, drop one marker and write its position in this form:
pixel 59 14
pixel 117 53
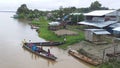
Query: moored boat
pixel 34 27
pixel 42 53
pixel 45 43
pixel 83 58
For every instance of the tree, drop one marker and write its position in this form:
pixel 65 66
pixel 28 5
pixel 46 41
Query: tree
pixel 23 9
pixel 83 10
pixel 77 18
pixel 95 6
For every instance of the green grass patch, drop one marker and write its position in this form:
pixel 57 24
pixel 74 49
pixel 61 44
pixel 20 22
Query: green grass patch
pixel 51 36
pixel 72 40
pixel 114 64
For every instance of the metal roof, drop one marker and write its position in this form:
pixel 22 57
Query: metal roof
pixel 76 13
pixel 99 12
pixel 101 32
pixel 115 25
pixel 117 29
pixel 97 24
pixel 98 31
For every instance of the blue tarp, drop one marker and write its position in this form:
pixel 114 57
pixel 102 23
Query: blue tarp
pixel 34 48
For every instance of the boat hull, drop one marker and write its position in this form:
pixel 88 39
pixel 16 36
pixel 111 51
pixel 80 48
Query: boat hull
pixel 46 43
pixel 43 53
pixel 83 58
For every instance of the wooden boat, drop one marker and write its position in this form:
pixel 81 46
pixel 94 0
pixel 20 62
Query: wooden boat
pixel 34 27
pixel 43 53
pixel 83 58
pixel 46 43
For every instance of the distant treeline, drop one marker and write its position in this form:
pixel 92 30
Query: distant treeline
pixel 26 13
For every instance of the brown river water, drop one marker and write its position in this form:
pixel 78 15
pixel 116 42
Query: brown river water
pixel 12 55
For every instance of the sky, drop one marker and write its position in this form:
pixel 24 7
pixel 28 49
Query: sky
pixel 55 4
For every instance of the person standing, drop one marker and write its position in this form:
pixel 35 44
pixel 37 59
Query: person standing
pixel 24 42
pixel 48 52
pixel 64 39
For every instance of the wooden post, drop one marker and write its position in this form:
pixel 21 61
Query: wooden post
pixel 103 56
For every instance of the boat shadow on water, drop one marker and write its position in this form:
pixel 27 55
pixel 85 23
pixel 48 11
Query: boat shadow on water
pixel 37 57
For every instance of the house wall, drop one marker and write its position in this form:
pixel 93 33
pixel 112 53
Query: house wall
pixel 98 19
pixel 118 16
pixel 95 38
pixel 116 33
pixel 119 19
pixel 95 18
pixel 98 38
pixel 111 14
pixel 88 35
pixel 88 18
pixel 114 15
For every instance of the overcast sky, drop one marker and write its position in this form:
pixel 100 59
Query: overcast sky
pixel 55 4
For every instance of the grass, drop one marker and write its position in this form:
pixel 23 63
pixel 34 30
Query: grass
pixel 72 40
pixel 113 64
pixel 51 36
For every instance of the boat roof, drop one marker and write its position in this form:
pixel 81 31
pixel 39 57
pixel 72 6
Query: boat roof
pixel 99 12
pixel 98 31
pixel 97 24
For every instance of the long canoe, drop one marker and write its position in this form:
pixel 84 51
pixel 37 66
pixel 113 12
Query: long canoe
pixel 45 43
pixel 83 58
pixel 43 53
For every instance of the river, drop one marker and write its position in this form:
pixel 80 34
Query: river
pixel 12 55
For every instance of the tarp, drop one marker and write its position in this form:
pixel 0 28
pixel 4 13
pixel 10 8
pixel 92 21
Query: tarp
pixel 54 23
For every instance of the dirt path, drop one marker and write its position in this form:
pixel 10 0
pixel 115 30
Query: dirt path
pixel 65 32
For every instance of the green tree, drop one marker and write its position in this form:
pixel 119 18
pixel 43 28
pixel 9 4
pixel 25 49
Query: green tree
pixel 77 18
pixel 95 6
pixel 23 9
pixel 36 13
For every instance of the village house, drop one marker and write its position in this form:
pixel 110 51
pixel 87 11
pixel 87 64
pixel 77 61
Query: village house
pixel 100 18
pixel 103 19
pixel 96 36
